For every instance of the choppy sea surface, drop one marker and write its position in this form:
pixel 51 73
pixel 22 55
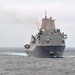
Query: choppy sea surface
pixel 14 61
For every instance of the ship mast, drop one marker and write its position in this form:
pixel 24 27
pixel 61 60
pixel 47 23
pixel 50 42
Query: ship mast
pixel 48 24
pixel 45 14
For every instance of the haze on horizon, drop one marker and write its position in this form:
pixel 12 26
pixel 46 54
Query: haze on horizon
pixel 21 18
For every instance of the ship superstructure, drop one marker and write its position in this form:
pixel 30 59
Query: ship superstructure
pixel 49 42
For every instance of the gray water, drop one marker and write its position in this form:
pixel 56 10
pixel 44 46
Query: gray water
pixel 14 61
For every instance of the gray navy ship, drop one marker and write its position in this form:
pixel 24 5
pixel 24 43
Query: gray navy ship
pixel 48 42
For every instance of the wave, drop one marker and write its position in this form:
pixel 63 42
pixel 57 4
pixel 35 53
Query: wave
pixel 12 53
pixel 71 56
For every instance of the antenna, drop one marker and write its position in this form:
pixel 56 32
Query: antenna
pixel 45 14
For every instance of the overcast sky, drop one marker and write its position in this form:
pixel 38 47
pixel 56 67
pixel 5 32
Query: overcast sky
pixel 21 18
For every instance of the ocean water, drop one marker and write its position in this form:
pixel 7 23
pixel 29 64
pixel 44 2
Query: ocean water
pixel 14 61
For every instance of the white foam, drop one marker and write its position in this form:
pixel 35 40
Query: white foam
pixel 71 56
pixel 12 53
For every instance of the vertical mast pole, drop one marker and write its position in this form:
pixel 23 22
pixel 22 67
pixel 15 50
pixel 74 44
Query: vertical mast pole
pixel 45 14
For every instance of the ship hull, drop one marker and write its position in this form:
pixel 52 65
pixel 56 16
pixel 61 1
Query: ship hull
pixel 46 51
